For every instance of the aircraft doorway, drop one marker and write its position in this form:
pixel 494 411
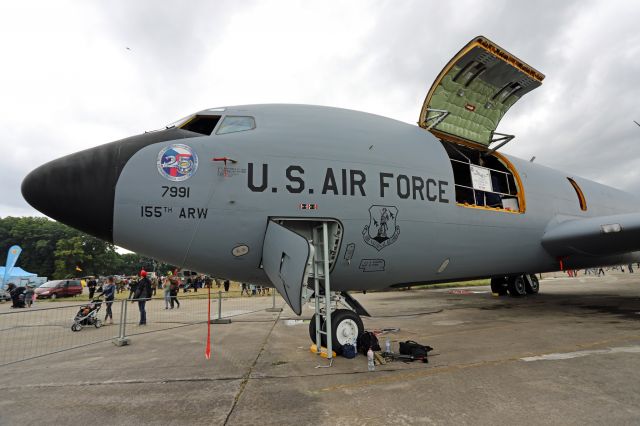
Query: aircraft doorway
pixel 306 227
pixel 297 256
pixel 485 181
pixel 297 253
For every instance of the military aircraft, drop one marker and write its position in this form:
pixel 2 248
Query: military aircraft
pixel 318 201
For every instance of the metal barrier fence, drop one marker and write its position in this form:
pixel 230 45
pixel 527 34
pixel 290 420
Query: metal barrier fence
pixel 34 332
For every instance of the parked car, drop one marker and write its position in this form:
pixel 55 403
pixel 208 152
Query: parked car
pixel 4 295
pixel 59 288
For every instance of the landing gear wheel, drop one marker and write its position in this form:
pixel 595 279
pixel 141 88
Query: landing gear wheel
pixel 534 286
pixel 98 324
pixel 76 327
pixel 517 286
pixel 499 285
pixel 346 327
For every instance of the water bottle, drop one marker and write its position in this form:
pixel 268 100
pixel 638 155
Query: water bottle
pixel 387 346
pixel 370 362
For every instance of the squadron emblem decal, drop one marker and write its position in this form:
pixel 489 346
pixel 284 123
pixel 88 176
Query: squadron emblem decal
pixel 382 229
pixel 177 162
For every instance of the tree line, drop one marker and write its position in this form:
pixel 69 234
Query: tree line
pixel 54 250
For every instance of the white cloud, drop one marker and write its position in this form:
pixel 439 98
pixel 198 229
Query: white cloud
pixel 68 81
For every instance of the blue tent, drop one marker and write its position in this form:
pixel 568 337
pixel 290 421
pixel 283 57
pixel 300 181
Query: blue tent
pixel 16 273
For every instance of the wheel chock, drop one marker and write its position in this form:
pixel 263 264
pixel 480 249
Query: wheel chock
pixel 323 351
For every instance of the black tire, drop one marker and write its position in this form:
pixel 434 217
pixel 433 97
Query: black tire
pixel 76 327
pixel 312 329
pixel 347 330
pixel 54 296
pixel 346 326
pixel 499 285
pixel 517 287
pixel 534 287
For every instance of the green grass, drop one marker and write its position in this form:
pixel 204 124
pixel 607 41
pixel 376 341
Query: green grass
pixel 234 292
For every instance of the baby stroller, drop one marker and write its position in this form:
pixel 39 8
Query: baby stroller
pixel 87 315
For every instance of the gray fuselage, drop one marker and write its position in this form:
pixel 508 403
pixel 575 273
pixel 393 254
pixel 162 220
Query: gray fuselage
pixel 343 162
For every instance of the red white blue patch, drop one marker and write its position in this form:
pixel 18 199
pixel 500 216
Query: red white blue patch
pixel 177 162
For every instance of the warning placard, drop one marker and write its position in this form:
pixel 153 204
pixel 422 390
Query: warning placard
pixel 481 178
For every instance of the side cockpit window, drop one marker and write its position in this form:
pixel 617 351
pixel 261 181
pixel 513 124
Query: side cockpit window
pixel 484 181
pixel 234 123
pixel 203 124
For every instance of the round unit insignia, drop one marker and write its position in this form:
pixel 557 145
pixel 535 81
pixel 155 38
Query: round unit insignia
pixel 177 162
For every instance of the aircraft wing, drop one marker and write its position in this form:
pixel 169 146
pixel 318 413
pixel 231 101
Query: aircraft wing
pixel 597 236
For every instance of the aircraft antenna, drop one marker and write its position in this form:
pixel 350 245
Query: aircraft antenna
pixel 636 123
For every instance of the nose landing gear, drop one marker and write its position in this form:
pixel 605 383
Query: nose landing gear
pixel 346 326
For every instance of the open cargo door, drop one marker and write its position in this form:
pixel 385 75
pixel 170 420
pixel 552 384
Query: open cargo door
pixel 285 256
pixel 474 91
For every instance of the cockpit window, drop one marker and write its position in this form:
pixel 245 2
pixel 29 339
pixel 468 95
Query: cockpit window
pixel 178 123
pixel 232 124
pixel 203 124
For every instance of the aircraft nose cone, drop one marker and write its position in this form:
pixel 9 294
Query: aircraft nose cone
pixel 77 190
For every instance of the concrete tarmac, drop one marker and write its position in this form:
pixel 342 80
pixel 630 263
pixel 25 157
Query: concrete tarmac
pixel 569 355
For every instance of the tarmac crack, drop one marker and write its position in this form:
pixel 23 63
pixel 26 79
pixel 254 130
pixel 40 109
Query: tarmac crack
pixel 247 375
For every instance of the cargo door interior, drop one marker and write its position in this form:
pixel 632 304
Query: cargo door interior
pixel 474 91
pixel 285 259
pixel 463 109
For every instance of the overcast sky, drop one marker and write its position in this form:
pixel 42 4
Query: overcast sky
pixel 76 74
